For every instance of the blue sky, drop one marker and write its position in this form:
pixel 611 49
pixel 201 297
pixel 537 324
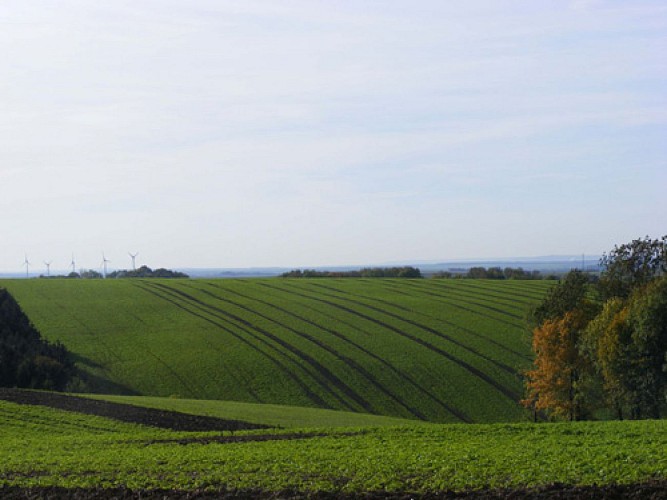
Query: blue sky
pixel 303 133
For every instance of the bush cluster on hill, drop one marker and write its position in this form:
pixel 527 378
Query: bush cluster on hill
pixel 27 360
pixel 604 346
pixel 369 272
pixel 147 272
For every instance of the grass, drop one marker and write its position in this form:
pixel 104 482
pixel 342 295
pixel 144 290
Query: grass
pixel 435 350
pixel 42 447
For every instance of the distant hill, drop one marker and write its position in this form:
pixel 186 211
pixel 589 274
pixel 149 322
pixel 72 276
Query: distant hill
pixel 558 264
pixel 439 350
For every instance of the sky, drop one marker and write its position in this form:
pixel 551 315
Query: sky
pixel 311 133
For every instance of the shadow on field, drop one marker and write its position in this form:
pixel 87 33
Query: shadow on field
pixel 656 490
pixel 126 413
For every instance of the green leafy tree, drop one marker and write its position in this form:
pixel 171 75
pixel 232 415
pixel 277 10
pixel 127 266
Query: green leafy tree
pixel 632 265
pixel 607 345
pixel 567 295
pixel 647 317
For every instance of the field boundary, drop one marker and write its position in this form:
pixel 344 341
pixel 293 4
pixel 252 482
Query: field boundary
pixel 164 419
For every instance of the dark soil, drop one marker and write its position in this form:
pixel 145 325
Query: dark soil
pixel 656 490
pixel 127 413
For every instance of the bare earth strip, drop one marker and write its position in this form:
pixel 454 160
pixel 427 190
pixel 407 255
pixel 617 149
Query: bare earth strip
pixel 645 491
pixel 126 413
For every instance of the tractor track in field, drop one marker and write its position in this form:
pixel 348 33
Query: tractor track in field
pixel 397 289
pixel 468 296
pixel 351 363
pixel 454 411
pixel 651 490
pixel 477 312
pixel 343 338
pixel 498 296
pixel 281 366
pixel 509 369
pixel 513 395
pixel 319 369
pixel 510 290
pixel 163 419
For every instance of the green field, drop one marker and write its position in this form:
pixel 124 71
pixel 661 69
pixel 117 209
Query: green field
pixel 41 447
pixel 436 350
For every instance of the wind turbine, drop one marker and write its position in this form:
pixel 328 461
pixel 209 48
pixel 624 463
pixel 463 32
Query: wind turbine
pixel 133 256
pixel 104 263
pixel 73 264
pixel 48 268
pixel 26 263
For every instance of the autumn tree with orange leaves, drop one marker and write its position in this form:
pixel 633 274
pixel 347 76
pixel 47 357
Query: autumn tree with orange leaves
pixel 608 352
pixel 553 384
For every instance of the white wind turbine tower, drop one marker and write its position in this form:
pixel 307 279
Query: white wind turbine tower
pixel 104 263
pixel 26 263
pixel 133 256
pixel 73 264
pixel 48 268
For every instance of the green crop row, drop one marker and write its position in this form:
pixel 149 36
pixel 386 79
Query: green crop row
pixel 40 446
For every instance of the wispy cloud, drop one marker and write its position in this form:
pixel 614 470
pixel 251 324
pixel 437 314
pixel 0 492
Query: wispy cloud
pixel 252 126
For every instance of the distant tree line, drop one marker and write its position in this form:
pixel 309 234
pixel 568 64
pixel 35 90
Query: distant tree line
pixel 494 273
pixel 147 272
pixel 26 359
pixel 142 272
pixel 368 272
pixel 83 273
pixel 602 347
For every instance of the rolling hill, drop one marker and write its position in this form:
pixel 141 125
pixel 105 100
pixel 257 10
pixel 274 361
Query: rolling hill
pixel 436 350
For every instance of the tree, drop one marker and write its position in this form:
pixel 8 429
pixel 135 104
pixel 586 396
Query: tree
pixel 607 345
pixel 553 383
pixel 567 295
pixel 617 356
pixel 631 265
pixel 27 360
pixel 90 274
pixel 476 273
pixel 647 318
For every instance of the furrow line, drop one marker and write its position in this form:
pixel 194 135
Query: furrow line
pixel 350 362
pixel 464 364
pixel 316 399
pixel 467 309
pixel 434 397
pixel 484 297
pixel 397 289
pixel 318 367
pixel 502 366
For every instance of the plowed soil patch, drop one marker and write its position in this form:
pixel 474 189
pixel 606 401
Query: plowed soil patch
pixel 126 413
pixel 644 491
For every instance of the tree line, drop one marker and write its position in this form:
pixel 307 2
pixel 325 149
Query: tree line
pixel 142 272
pixel 494 273
pixel 602 347
pixel 147 272
pixel 26 359
pixel 369 272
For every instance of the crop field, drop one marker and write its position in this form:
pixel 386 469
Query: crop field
pixel 435 350
pixel 42 447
